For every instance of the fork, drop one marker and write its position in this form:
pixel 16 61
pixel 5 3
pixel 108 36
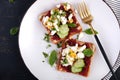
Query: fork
pixel 87 18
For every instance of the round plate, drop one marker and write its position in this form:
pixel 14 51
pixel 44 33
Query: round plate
pixel 32 45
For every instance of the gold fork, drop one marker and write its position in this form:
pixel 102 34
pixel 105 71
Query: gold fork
pixel 88 18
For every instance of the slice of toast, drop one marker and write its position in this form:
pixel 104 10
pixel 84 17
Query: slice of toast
pixel 65 14
pixel 87 60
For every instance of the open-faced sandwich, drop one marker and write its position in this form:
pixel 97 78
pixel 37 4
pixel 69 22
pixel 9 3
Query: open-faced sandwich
pixel 60 22
pixel 75 57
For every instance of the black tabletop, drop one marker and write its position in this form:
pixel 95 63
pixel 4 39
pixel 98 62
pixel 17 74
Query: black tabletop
pixel 12 66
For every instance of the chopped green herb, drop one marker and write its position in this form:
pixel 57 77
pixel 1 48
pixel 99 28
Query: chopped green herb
pixel 43 61
pixel 77 37
pixel 14 30
pixel 71 24
pixel 11 1
pixel 88 52
pixel 49 45
pixel 89 31
pixel 47 37
pixel 59 44
pixel 65 61
pixel 52 57
pixel 45 54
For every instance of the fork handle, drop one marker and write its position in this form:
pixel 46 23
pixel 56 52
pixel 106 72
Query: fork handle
pixel 103 52
pixel 105 56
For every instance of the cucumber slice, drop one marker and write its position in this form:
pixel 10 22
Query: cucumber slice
pixel 63 31
pixel 79 63
pixel 76 70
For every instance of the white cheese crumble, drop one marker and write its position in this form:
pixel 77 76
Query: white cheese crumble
pixel 76 11
pixel 80 35
pixel 70 16
pixel 63 20
pixel 80 55
pixel 53 32
pixel 68 6
pixel 60 11
pixel 49 23
pixel 45 19
pixel 58 6
pixel 51 12
pixel 80 49
pixel 56 27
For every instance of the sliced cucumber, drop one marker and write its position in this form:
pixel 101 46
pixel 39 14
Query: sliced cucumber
pixel 79 63
pixel 63 31
pixel 76 70
pixel 78 66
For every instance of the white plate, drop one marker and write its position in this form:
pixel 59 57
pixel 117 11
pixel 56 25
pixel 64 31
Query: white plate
pixel 32 45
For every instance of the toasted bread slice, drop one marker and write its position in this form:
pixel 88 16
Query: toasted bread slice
pixel 87 60
pixel 64 11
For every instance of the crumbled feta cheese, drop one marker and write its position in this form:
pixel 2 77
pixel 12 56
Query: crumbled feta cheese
pixel 53 32
pixel 51 12
pixel 58 6
pixel 80 55
pixel 60 11
pixel 65 51
pixel 70 60
pixel 56 27
pixel 76 11
pixel 58 16
pixel 63 20
pixel 70 16
pixel 49 23
pixel 68 6
pixel 74 48
pixel 45 19
pixel 80 35
pixel 55 22
pixel 80 49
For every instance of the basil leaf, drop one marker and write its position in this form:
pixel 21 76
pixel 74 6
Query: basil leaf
pixel 47 37
pixel 88 52
pixel 11 1
pixel 89 31
pixel 59 44
pixel 71 24
pixel 52 57
pixel 48 46
pixel 14 30
pixel 45 54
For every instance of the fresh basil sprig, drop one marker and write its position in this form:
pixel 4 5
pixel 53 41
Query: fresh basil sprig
pixel 71 24
pixel 52 57
pixel 89 31
pixel 14 30
pixel 45 54
pixel 88 52
pixel 47 37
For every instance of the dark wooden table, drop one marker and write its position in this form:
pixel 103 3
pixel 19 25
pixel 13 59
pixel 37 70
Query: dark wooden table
pixel 12 66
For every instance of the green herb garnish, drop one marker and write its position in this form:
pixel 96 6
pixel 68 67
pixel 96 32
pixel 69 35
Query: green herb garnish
pixel 47 37
pixel 77 37
pixel 43 61
pixel 59 44
pixel 52 57
pixel 14 30
pixel 89 31
pixel 88 52
pixel 71 24
pixel 45 54
pixel 11 1
pixel 49 45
